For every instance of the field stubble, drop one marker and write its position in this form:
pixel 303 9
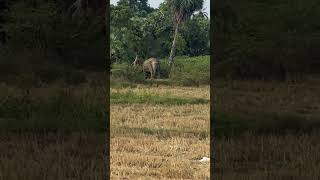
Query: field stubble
pixel 151 140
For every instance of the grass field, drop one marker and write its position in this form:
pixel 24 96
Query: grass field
pixel 159 132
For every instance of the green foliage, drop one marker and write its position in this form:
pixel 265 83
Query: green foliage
pixel 164 69
pixel 188 71
pixel 129 31
pixel 127 73
pixel 149 32
pixel 191 71
pixel 183 9
pixel 196 34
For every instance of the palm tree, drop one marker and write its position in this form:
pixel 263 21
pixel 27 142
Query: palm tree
pixel 182 10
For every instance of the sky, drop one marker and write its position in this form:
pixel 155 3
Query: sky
pixel 156 3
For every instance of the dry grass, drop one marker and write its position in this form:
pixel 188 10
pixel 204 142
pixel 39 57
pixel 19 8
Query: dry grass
pixel 151 141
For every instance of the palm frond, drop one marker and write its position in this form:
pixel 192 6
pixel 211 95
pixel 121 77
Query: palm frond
pixel 183 9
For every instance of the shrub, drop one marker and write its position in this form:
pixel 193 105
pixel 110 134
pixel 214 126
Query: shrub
pixel 164 69
pixel 126 72
pixel 188 71
pixel 191 71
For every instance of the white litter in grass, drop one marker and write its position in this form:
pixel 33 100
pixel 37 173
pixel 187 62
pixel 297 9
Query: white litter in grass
pixel 204 159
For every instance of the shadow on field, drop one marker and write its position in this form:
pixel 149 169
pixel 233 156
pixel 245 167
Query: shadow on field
pixel 162 133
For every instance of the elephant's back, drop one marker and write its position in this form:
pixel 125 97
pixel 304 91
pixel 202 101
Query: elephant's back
pixel 151 61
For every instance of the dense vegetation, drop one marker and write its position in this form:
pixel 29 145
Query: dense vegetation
pixel 138 29
pixel 266 39
pixel 188 71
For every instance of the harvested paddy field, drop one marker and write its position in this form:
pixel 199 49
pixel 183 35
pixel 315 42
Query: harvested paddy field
pixel 160 132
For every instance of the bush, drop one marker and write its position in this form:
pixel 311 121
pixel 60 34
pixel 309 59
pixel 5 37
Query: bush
pixel 191 71
pixel 187 71
pixel 125 72
pixel 164 69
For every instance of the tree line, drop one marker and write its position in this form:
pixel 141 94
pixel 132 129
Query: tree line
pixel 251 38
pixel 176 28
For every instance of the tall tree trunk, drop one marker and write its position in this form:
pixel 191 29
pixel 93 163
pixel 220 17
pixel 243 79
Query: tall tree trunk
pixel 173 48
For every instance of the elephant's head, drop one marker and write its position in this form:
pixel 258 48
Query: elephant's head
pixel 137 61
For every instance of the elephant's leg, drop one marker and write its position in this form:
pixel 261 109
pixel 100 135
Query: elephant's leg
pixel 158 71
pixel 151 71
pixel 151 74
pixel 155 71
pixel 144 74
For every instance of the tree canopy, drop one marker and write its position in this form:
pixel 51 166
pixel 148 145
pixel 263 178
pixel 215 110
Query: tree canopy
pixel 138 29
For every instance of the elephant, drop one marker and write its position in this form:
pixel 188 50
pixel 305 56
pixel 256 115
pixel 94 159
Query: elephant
pixel 151 65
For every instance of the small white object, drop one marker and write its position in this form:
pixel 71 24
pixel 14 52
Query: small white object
pixel 205 159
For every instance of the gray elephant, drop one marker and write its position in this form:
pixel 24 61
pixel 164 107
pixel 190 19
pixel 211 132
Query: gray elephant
pixel 151 65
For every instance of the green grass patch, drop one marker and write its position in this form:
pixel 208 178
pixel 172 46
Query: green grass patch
pixel 191 71
pixel 187 71
pixel 131 97
pixel 122 73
